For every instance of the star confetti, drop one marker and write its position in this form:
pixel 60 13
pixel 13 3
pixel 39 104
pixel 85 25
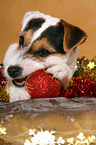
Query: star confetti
pixel 43 138
pixel 48 138
pixel 2 130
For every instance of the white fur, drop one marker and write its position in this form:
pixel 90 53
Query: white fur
pixel 29 65
pixel 16 93
pixel 15 57
pixel 60 66
pixel 11 58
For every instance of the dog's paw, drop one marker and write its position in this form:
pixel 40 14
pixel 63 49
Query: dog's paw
pixel 57 67
pixel 58 71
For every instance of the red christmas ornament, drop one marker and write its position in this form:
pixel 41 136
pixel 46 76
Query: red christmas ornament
pixel 3 80
pixel 40 84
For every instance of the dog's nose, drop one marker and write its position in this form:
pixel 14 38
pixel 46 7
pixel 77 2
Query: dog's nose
pixel 14 71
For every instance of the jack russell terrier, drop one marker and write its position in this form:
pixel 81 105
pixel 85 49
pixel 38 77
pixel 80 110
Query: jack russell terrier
pixel 44 42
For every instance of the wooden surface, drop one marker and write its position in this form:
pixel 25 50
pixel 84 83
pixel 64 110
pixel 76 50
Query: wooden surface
pixel 81 13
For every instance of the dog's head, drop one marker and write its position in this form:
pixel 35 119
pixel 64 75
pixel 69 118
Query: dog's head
pixel 44 41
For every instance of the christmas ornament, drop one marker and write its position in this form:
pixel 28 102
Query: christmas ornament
pixel 81 87
pixel 40 84
pixel 83 83
pixel 3 80
pixel 4 97
pixel 86 69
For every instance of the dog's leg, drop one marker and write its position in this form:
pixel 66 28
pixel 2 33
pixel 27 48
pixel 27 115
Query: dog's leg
pixel 63 67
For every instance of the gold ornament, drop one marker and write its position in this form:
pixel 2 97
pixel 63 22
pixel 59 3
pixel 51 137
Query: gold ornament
pixel 4 96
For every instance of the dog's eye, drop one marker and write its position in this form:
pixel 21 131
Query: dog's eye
pixel 43 52
pixel 21 41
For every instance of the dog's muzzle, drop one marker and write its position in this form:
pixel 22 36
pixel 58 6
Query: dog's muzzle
pixel 15 73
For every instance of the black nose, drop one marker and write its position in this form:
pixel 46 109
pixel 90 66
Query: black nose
pixel 14 71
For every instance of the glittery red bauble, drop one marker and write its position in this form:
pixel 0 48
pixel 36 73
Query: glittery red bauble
pixel 40 84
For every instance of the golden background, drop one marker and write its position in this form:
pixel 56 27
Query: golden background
pixel 81 13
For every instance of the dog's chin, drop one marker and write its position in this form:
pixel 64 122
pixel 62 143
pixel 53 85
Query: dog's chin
pixel 20 82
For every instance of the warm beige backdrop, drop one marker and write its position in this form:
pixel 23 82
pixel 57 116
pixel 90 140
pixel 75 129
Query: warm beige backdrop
pixel 78 12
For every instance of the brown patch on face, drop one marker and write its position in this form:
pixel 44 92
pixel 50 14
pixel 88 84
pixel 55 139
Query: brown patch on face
pixel 38 46
pixel 42 43
pixel 27 37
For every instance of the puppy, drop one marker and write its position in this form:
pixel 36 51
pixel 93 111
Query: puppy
pixel 44 42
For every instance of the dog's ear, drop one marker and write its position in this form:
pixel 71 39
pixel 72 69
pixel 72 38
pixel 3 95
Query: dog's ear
pixel 73 36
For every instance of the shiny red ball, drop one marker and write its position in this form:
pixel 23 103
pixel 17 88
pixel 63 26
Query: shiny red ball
pixel 40 84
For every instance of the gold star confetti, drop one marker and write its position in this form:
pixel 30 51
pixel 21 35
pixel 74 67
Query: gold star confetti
pixel 70 140
pixel 2 130
pixel 85 68
pixel 92 139
pixel 91 65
